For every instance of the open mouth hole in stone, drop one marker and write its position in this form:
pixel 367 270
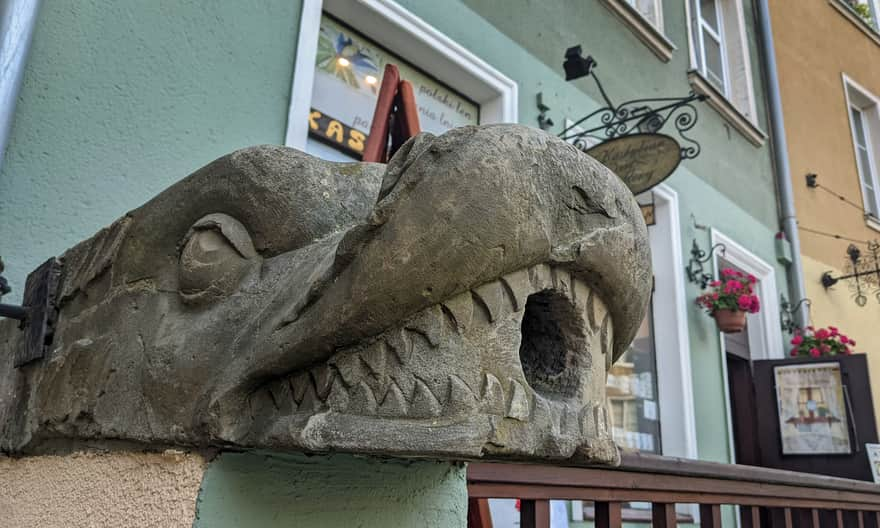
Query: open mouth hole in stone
pixel 551 328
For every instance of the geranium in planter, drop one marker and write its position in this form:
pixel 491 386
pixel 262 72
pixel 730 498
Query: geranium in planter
pixel 730 299
pixel 829 341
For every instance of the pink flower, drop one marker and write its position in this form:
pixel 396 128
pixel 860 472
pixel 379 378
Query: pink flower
pixel 715 283
pixel 847 351
pixel 756 305
pixel 744 302
pixel 852 342
pixel 732 286
pixel 844 339
pixel 797 340
pixel 794 351
pixel 822 334
pixel 728 272
pixel 834 330
pixel 825 348
pixel 715 296
pixel 752 279
pixel 815 352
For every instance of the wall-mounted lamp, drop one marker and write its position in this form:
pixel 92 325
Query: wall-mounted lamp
pixel 576 65
pixel 695 270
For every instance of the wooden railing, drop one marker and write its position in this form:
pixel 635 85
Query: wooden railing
pixel 766 497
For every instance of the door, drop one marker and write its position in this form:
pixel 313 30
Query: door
pixel 741 384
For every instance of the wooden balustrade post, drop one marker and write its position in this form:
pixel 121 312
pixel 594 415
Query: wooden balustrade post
pixel 663 515
pixel 608 515
pixel 814 518
pixel 786 513
pixel 861 518
pixel 534 513
pixel 710 516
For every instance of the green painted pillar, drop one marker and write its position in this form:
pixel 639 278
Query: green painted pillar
pixel 263 490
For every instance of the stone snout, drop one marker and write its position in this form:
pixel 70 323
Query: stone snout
pixel 512 367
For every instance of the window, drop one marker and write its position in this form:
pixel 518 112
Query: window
pixel 865 124
pixel 651 10
pixel 867 10
pixel 720 54
pixel 399 33
pixel 348 74
pixel 632 393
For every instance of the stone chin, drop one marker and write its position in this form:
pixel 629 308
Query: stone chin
pixel 465 300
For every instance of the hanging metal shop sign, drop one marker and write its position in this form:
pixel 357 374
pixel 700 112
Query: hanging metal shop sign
pixel 626 137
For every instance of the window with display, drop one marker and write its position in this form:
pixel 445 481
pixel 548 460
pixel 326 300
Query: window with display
pixel 348 74
pixel 632 393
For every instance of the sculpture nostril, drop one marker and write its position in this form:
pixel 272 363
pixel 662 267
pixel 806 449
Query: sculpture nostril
pixel 551 330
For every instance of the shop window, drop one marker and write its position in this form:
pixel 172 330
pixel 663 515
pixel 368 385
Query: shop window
pixel 348 74
pixel 865 124
pixel 720 51
pixel 633 394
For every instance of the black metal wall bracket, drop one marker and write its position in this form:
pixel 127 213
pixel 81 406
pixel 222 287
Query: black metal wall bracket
pixel 39 312
pixel 695 270
pixel 864 275
pixel 787 312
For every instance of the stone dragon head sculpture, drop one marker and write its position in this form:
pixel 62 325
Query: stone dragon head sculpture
pixel 466 300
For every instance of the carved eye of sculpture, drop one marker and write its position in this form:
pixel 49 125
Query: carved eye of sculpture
pixel 217 253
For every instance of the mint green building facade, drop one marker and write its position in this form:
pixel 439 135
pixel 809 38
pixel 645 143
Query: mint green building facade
pixel 121 99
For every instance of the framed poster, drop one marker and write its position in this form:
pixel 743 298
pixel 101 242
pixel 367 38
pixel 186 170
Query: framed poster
pixel 873 451
pixel 812 410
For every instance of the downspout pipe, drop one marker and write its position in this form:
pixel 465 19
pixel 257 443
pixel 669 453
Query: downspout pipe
pixel 783 169
pixel 17 21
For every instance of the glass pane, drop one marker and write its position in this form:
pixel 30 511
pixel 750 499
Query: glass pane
pixel 871 199
pixel 714 65
pixel 632 393
pixel 646 8
pixel 709 13
pixel 859 127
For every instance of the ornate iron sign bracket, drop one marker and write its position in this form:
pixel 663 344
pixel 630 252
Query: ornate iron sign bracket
pixel 695 271
pixel 631 117
pixel 863 276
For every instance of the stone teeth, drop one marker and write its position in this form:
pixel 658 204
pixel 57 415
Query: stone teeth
pixel 350 367
pixel 518 407
pixel 460 399
pixel 429 324
pixel 400 344
pixel 361 400
pixel 282 396
pixel 581 293
pixel 338 399
pixel 298 385
pixel 492 395
pixel 394 403
pixel 491 295
pixel 461 307
pixel 375 358
pixel 541 277
pixel 322 376
pixel 519 286
pixel 423 403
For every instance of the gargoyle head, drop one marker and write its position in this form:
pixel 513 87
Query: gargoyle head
pixel 465 300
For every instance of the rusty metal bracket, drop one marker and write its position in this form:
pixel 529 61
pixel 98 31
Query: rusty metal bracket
pixel 39 312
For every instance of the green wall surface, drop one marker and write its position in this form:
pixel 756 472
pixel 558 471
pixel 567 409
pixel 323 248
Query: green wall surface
pixel 121 99
pixel 260 490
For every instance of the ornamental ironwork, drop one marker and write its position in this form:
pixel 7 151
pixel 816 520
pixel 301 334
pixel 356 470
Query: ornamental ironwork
pixel 862 273
pixel 639 116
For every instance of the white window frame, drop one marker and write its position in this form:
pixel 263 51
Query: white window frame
pixel 678 424
pixel 399 30
pixel 658 13
pixel 704 27
pixel 766 341
pixel 651 34
pixel 850 86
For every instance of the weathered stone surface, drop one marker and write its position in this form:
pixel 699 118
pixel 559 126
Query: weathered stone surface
pixel 272 299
